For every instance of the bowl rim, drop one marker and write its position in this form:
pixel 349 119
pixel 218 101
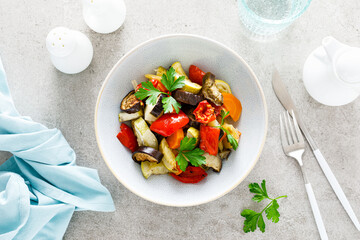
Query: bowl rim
pixel 123 58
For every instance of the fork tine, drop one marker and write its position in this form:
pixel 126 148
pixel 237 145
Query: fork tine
pixel 282 132
pixel 287 129
pixel 297 129
pixel 293 135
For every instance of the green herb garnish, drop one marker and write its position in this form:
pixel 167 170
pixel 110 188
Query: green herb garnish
pixel 188 152
pixel 234 143
pixel 168 80
pixel 254 219
pixel 148 90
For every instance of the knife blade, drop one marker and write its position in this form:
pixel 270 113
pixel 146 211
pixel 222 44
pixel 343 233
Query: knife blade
pixel 285 99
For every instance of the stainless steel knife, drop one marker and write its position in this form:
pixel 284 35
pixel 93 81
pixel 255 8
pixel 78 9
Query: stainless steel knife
pixel 285 99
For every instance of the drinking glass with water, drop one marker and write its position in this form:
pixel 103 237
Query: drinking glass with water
pixel 268 17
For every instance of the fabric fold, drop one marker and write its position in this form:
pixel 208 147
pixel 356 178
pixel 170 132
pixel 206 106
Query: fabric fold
pixel 41 185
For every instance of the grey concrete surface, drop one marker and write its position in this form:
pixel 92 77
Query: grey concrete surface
pixel 67 102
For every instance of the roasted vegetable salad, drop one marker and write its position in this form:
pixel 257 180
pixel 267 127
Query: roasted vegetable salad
pixel 180 125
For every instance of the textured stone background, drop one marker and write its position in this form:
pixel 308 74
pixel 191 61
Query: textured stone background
pixel 67 102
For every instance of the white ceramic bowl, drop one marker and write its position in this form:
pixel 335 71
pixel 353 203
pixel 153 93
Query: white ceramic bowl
pixel 208 55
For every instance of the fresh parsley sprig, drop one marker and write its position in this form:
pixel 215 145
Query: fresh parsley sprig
pixel 255 219
pixel 234 143
pixel 148 90
pixel 168 80
pixel 188 152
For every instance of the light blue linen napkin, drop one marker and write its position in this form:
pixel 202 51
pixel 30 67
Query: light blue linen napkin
pixel 40 185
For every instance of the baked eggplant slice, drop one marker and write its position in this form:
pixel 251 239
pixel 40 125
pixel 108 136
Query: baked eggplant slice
pixel 224 154
pixel 210 91
pixel 187 97
pixel 147 154
pixel 213 162
pixel 192 121
pixel 130 103
pixel 153 112
pixel 221 134
pixel 158 109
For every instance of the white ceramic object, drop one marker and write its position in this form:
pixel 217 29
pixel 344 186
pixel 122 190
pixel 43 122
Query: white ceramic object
pixel 211 56
pixel 332 73
pixel 70 51
pixel 104 16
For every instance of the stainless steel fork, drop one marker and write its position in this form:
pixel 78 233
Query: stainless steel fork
pixel 294 146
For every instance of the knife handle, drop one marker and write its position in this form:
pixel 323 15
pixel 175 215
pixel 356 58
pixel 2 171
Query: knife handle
pixel 316 212
pixel 336 187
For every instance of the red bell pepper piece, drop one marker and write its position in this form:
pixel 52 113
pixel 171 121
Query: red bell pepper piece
pixel 127 137
pixel 156 83
pixel 159 85
pixel 196 75
pixel 191 175
pixel 168 123
pixel 209 139
pixel 204 113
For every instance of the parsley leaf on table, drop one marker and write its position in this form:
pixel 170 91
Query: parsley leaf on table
pixel 168 80
pixel 187 151
pixel 254 219
pixel 260 192
pixel 234 143
pixel 272 212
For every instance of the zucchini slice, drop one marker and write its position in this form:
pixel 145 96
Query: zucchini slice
pixel 152 76
pixel 169 157
pixel 191 87
pixel 179 69
pixel 193 133
pixel 153 168
pixel 123 117
pixel 160 71
pixel 143 133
